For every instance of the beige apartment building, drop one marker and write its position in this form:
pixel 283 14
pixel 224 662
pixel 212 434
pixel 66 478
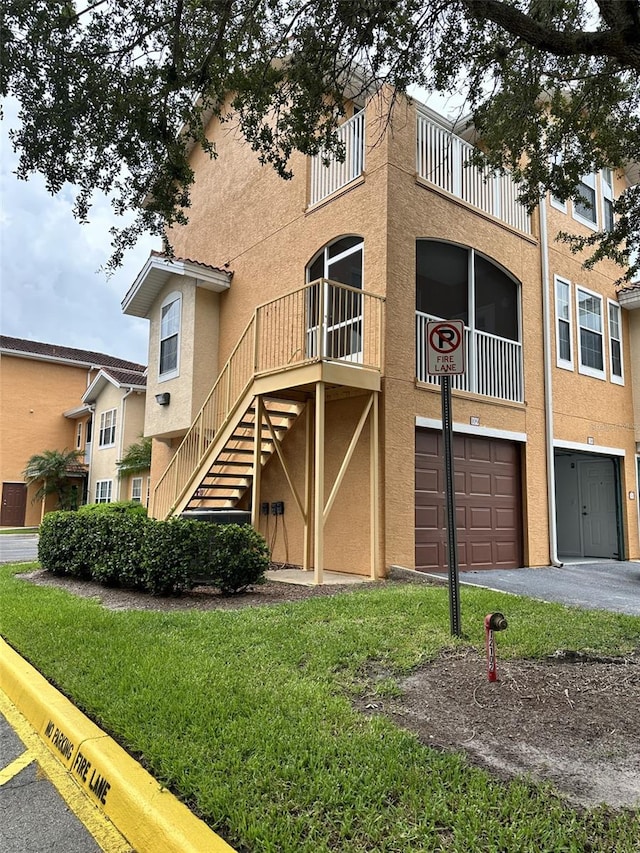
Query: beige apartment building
pixel 288 358
pixel 48 403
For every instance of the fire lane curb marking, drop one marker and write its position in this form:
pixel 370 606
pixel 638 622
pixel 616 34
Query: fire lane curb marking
pixel 97 824
pixel 146 813
pixel 17 765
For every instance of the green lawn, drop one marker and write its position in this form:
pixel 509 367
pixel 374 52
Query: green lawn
pixel 246 715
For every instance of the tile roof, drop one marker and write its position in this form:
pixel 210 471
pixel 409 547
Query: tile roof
pixel 156 254
pixel 630 288
pixel 56 352
pixel 136 378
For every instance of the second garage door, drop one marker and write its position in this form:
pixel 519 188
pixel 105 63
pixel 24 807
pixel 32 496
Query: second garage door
pixel 488 502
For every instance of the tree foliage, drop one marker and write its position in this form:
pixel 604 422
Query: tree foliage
pixel 106 87
pixel 55 470
pixel 136 458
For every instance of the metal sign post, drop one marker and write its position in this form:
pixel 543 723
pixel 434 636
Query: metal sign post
pixel 445 345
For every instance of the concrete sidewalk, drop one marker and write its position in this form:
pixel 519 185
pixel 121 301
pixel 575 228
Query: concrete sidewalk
pixel 608 585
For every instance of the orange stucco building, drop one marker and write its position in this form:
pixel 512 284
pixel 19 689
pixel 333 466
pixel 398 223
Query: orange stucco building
pixel 288 357
pixel 41 398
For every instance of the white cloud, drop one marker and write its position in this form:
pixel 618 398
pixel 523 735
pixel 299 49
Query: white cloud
pixel 52 286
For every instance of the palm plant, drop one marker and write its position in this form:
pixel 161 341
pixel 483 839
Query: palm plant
pixel 54 468
pixel 136 459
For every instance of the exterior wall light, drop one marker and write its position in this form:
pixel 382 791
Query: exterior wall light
pixel 163 399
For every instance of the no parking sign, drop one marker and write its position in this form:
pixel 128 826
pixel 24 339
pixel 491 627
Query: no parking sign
pixel 445 347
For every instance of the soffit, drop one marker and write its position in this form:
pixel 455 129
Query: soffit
pixel 158 270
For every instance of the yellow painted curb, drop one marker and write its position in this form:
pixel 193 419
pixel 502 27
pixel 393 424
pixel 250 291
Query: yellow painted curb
pixel 147 815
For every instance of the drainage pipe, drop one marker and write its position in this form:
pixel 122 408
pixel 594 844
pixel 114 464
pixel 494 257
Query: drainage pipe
pixel 548 387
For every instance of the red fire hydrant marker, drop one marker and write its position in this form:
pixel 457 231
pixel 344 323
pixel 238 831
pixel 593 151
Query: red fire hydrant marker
pixel 492 622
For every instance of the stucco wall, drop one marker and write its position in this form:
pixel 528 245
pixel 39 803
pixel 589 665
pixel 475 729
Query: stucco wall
pixel 34 394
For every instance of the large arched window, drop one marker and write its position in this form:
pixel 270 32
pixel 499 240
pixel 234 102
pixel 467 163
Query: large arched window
pixel 457 283
pixel 334 325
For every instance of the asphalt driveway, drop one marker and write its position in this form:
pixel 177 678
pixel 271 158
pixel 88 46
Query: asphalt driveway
pixel 18 547
pixel 611 585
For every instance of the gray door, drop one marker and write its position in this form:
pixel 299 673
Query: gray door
pixel 598 508
pixel 587 513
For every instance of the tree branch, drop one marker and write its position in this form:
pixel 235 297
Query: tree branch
pixel 621 43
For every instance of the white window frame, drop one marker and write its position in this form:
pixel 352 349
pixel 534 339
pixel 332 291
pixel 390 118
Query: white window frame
pixel 103 491
pixel 606 189
pixel 136 489
pixel 585 369
pixel 614 308
pixel 565 364
pixel 172 298
pixel 590 182
pixel 107 436
pixel 79 435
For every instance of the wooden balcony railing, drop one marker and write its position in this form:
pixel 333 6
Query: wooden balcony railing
pixel 323 321
pixel 444 159
pixel 494 364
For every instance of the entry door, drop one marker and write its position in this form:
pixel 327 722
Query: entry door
pixel 339 329
pixel 598 508
pixel 14 504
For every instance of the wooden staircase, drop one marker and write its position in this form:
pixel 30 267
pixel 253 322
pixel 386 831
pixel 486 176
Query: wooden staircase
pixel 229 470
pixel 291 346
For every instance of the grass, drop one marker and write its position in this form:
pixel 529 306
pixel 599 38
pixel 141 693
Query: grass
pixel 246 714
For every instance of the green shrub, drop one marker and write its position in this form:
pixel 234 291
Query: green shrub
pixel 115 508
pixel 63 547
pixel 116 544
pixel 238 558
pixel 117 538
pixel 171 553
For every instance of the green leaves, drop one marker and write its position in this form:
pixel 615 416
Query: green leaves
pixel 113 96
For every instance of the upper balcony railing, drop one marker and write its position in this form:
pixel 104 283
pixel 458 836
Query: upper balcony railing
pixel 328 174
pixel 493 364
pixel 444 159
pixel 323 321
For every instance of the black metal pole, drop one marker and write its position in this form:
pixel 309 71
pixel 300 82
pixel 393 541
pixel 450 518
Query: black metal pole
pixel 450 498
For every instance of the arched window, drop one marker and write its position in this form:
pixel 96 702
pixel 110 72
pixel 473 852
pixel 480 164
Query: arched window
pixel 170 336
pixel 456 283
pixel 334 324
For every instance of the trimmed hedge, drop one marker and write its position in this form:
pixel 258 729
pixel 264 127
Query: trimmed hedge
pixel 122 547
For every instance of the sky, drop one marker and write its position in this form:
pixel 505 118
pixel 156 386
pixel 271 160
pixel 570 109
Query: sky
pixel 52 288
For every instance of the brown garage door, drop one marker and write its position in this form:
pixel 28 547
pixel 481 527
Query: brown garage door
pixel 488 502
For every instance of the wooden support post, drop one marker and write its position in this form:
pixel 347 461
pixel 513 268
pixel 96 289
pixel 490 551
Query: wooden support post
pixel 257 463
pixel 374 488
pixel 318 516
pixel 308 485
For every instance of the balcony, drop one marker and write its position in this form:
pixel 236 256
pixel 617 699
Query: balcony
pixel 443 159
pixel 494 364
pixel 328 174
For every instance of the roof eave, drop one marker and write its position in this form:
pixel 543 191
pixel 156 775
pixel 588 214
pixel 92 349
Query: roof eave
pixel 155 274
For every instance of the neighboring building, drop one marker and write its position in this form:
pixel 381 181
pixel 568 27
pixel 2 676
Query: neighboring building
pixel 303 307
pixel 117 400
pixel 42 386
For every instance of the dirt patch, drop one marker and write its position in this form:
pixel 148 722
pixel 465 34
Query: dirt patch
pixel 569 720
pixel 572 721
